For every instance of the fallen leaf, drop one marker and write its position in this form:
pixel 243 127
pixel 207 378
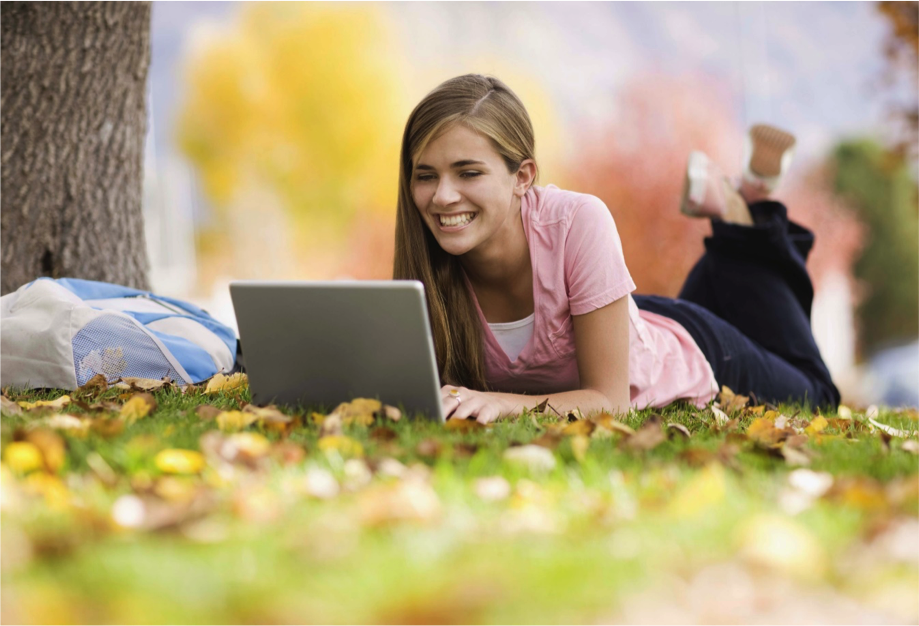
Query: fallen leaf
pixel 392 413
pixel 579 446
pixel 9 407
pixel 234 420
pixel 795 456
pixel 139 406
pixel 59 403
pixel 177 461
pixel 207 412
pixel 94 386
pixel 696 457
pixel 271 419
pixel 730 402
pixel 51 445
pixel 720 417
pixel 890 430
pixel 248 447
pixel 70 423
pixel 756 410
pixel 762 432
pixel 330 426
pixel 610 423
pixel 648 437
pixel 492 488
pixel 818 424
pixel 911 446
pixel 541 407
pixel 533 458
pixel 402 501
pixel 674 429
pixel 341 444
pixel 704 490
pixel 287 453
pixel 220 382
pixel 382 433
pixel 462 425
pixel 429 448
pixel 106 427
pixel 360 411
pixel 22 457
pixel 465 450
pixel 579 428
pixel 145 384
pixel 549 440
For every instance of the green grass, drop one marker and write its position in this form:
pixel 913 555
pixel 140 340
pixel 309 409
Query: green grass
pixel 588 541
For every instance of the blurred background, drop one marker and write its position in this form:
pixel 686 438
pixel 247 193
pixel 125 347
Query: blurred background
pixel 272 150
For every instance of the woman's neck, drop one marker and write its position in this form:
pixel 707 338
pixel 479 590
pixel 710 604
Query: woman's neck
pixel 503 262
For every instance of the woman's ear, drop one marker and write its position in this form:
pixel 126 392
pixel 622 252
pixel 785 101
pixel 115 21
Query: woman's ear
pixel 526 174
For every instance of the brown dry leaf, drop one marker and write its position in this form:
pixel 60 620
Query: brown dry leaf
pixel 756 410
pixel 674 430
pixel 51 446
pixel 246 447
pixel 429 448
pixel 359 411
pixel 58 404
pixel 139 406
pixel 71 424
pixel 287 453
pixel 730 402
pixel 736 438
pixel 465 450
pixel 541 407
pixel 648 437
pixel 860 492
pixel 94 386
pixel 610 423
pixel 9 407
pixel 146 384
pixel 462 425
pixel 207 412
pixel 549 440
pixel 221 382
pixel 696 457
pixel 382 433
pixel 107 427
pixel 271 418
pixel 581 428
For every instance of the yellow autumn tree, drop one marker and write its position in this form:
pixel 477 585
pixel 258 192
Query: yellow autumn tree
pixel 293 117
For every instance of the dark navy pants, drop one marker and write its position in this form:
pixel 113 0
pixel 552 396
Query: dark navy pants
pixel 747 304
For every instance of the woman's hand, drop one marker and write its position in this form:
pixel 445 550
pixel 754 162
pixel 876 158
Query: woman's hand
pixel 461 403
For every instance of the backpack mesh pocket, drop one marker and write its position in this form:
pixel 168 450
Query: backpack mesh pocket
pixel 116 347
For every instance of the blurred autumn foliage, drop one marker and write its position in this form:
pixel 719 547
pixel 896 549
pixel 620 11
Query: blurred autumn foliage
pixel 901 50
pixel 636 163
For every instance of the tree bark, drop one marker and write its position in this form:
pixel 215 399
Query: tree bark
pixel 73 123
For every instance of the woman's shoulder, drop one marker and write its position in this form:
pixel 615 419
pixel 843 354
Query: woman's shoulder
pixel 552 205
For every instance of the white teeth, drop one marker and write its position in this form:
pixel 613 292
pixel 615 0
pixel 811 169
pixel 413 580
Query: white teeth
pixel 456 220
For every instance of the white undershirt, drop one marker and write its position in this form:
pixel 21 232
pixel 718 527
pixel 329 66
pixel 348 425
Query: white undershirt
pixel 513 336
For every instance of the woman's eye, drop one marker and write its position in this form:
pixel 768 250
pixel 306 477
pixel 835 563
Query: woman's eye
pixel 470 174
pixel 424 177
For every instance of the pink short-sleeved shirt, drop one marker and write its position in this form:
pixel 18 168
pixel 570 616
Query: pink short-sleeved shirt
pixel 578 266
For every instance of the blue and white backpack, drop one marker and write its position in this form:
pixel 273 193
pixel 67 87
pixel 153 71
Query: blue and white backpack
pixel 60 333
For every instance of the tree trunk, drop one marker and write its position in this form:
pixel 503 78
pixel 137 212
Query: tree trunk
pixel 73 122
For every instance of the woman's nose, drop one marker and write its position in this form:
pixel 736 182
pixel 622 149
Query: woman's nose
pixel 446 194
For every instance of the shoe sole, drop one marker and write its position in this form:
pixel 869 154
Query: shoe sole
pixel 769 145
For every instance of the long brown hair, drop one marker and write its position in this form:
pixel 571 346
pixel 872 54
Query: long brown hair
pixel 489 107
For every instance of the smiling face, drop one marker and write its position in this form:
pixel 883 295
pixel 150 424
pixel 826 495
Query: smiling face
pixel 463 191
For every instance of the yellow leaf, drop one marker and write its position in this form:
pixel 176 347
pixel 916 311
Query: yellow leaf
pixel 226 383
pixel 341 444
pixel 139 406
pixel 579 445
pixel 22 457
pixel 235 420
pixel 817 425
pixel 705 489
pixel 252 445
pixel 51 446
pixel 60 403
pixel 317 418
pixel 50 487
pixel 175 461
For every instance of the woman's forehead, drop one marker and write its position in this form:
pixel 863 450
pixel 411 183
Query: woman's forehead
pixel 456 142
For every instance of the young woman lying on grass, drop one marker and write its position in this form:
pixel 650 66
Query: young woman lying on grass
pixel 529 294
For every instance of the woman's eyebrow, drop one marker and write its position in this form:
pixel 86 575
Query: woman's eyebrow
pixel 463 163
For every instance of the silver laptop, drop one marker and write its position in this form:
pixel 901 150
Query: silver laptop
pixel 321 343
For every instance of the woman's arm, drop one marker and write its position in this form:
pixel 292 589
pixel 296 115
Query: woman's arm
pixel 602 346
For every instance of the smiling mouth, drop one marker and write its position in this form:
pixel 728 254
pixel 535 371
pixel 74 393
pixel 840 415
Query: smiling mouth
pixel 456 220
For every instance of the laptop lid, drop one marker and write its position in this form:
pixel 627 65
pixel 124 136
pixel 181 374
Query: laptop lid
pixel 310 343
